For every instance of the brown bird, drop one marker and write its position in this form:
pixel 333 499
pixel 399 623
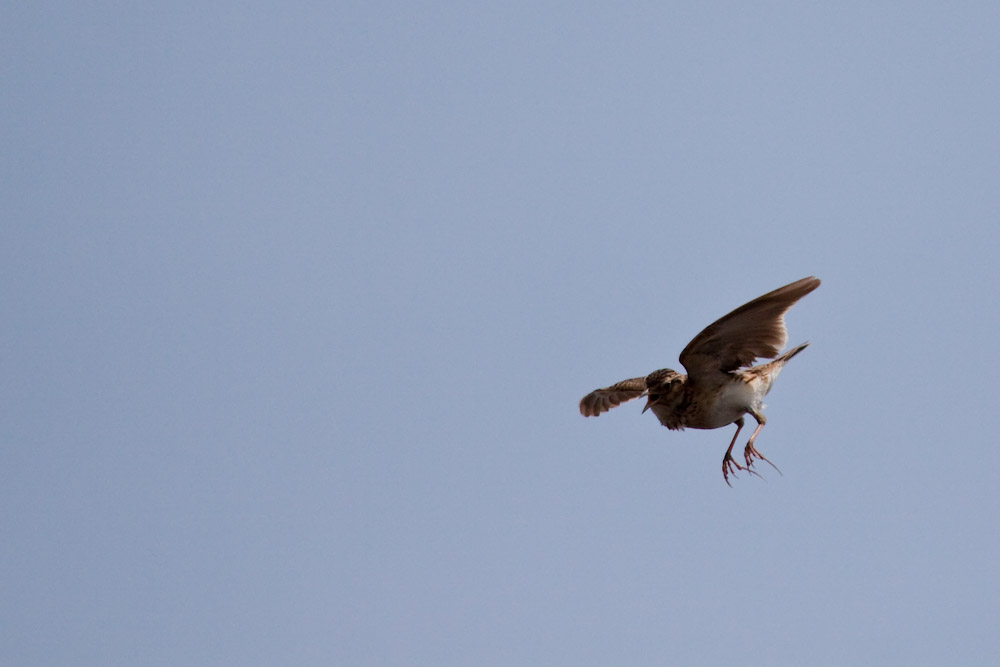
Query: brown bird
pixel 721 384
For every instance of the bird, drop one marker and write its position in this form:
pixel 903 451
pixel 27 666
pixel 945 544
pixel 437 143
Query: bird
pixel 721 385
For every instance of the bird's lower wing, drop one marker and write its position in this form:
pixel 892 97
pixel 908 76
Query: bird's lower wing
pixel 602 400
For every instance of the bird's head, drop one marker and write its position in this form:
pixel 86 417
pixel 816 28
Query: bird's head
pixel 658 384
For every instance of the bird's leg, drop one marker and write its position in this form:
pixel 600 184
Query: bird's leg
pixel 750 452
pixel 729 464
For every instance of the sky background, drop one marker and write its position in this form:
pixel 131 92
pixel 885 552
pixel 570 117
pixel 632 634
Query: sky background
pixel 299 300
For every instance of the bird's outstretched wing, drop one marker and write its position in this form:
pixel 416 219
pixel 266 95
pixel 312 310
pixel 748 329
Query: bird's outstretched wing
pixel 602 400
pixel 754 330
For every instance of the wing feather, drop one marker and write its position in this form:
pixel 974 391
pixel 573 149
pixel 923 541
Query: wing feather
pixel 602 400
pixel 754 330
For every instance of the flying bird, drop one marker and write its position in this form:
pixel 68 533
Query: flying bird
pixel 722 384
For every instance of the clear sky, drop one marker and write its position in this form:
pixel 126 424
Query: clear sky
pixel 299 300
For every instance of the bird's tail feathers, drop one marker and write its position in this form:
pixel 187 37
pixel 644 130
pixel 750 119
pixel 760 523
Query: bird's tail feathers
pixel 791 353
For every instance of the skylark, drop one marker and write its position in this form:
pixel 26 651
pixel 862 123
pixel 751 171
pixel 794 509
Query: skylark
pixel 721 384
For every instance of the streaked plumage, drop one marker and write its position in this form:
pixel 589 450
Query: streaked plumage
pixel 721 384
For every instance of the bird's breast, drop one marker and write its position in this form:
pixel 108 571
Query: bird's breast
pixel 725 405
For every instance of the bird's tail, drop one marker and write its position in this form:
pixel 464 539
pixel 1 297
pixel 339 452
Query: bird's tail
pixel 791 353
pixel 770 370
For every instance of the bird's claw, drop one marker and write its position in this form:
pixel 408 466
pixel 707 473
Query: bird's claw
pixel 751 453
pixel 729 465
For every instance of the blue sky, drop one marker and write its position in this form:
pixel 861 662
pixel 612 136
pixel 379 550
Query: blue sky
pixel 300 300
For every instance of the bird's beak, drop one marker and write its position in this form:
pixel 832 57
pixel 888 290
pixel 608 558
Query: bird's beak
pixel 648 402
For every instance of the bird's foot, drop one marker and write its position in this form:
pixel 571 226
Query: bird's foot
pixel 751 453
pixel 729 465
